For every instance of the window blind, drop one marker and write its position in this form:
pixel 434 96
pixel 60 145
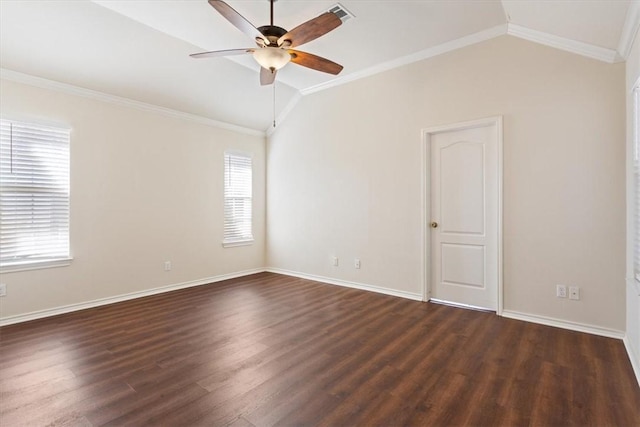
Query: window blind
pixel 237 198
pixel 34 193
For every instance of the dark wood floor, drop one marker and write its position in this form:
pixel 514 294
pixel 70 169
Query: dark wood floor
pixel 274 350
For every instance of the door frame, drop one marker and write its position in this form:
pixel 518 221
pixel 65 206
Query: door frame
pixel 426 198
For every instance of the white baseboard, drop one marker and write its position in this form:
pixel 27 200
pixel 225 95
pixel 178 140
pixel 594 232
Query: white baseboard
pixel 10 320
pixel 347 284
pixel 564 324
pixel 634 357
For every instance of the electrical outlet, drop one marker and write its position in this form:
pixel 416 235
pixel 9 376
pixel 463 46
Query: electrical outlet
pixel 574 292
pixel 167 266
pixel 334 261
pixel 3 290
pixel 356 263
pixel 561 291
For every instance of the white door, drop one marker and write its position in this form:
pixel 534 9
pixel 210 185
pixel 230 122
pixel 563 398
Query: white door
pixel 464 215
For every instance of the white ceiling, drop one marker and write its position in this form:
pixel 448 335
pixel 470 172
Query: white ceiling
pixel 138 49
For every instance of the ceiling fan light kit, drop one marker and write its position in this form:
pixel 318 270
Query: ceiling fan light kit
pixel 272 58
pixel 275 43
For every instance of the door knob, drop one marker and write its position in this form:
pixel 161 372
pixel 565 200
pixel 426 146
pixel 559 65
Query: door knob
pixel 434 224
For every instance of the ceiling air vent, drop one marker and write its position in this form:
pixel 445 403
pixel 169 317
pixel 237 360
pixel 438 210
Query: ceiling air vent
pixel 342 13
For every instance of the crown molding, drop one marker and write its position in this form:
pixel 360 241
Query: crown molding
pixel 43 83
pixel 629 30
pixel 415 57
pixel 573 46
pixel 386 66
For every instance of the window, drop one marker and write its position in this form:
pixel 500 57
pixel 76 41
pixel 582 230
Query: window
pixel 34 195
pixel 237 199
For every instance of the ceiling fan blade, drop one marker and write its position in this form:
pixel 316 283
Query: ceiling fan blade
pixel 216 53
pixel 315 62
pixel 311 30
pixel 237 20
pixel 267 77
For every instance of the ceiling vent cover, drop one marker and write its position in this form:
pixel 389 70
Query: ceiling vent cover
pixel 341 12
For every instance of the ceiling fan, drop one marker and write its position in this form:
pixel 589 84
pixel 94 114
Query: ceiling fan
pixel 275 44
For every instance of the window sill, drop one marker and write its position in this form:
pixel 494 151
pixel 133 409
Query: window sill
pixel 35 265
pixel 237 243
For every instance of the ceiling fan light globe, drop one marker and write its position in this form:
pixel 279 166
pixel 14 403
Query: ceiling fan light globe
pixel 272 58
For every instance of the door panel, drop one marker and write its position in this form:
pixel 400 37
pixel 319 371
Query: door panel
pixel 462 174
pixel 471 257
pixel 464 204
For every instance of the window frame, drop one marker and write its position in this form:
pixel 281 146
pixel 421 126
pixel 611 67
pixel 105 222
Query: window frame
pixel 25 263
pixel 246 239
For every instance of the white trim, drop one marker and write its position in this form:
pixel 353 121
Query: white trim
pixel 569 45
pixel 500 125
pixel 409 59
pixel 496 121
pixel 634 283
pixel 347 284
pixel 36 265
pixel 236 243
pixel 634 357
pixel 10 320
pixel 425 168
pixel 564 324
pixel 40 82
pixel 629 30
pixel 634 280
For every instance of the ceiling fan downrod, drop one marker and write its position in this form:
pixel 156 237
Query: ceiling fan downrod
pixel 272 1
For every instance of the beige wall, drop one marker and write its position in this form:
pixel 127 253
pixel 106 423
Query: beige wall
pixel 345 179
pixel 344 175
pixel 633 293
pixel 145 188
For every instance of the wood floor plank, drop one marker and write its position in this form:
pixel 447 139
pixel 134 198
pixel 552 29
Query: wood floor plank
pixel 268 349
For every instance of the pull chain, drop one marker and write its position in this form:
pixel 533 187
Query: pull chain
pixel 274 104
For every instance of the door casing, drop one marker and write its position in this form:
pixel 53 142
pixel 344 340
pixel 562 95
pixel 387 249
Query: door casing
pixel 426 198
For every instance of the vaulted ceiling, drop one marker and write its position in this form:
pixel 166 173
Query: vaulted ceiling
pixel 139 49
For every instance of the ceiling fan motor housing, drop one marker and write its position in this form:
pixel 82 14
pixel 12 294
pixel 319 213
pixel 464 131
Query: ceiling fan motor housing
pixel 272 33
